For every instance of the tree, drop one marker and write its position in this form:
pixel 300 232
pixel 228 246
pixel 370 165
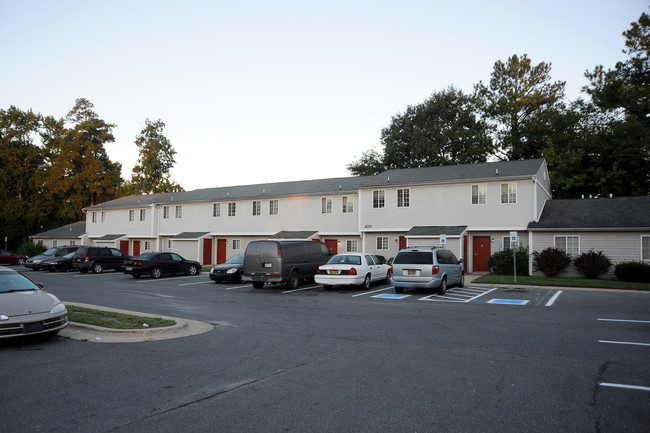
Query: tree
pixel 517 90
pixel 623 95
pixel 81 172
pixel 442 130
pixel 151 174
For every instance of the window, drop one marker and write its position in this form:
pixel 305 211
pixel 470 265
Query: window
pixel 479 193
pixel 403 197
pixel 506 243
pixel 236 244
pixel 382 242
pixel 103 217
pixel 179 211
pixel 131 215
pixel 273 207
pixel 232 209
pixel 143 214
pixel 94 217
pixel 509 192
pixel 348 204
pixel 645 248
pixel 378 199
pixel 71 243
pixel 568 244
pixel 147 245
pixel 216 209
pixel 352 246
pixel 165 212
pixel 257 208
pixel 326 205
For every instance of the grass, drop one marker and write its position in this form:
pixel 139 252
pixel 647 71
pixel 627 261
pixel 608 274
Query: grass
pixel 561 282
pixel 109 319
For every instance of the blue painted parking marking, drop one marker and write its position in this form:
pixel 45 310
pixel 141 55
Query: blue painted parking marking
pixel 389 296
pixel 508 301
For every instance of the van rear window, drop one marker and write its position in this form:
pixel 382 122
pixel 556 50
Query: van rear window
pixel 414 258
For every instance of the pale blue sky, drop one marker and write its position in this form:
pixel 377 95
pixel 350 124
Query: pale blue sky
pixel 255 91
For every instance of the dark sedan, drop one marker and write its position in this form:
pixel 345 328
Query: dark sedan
pixel 9 258
pixel 230 270
pixel 58 263
pixel 158 264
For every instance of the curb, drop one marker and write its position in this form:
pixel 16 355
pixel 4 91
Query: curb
pixel 98 334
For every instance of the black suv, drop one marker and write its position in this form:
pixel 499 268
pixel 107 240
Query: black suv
pixel 97 259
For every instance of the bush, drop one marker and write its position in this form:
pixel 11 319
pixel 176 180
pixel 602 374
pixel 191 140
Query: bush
pixel 592 264
pixel 551 261
pixel 31 249
pixel 634 272
pixel 501 262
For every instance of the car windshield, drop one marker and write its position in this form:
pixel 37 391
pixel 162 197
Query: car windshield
pixel 236 260
pixel 414 258
pixel 50 252
pixel 146 256
pixel 345 260
pixel 14 282
pixel 69 255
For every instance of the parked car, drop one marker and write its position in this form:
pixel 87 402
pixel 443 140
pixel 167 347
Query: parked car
pixel 158 264
pixel 55 252
pixel 9 258
pixel 230 270
pixel 97 259
pixel 353 269
pixel 282 261
pixel 426 267
pixel 25 309
pixel 58 263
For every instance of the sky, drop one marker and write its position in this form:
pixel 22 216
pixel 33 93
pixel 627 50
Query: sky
pixel 270 91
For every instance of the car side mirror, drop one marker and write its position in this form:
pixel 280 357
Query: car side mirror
pixel 40 285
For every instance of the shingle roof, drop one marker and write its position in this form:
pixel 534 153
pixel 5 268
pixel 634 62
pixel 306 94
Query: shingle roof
pixel 436 230
pixel 110 237
pixel 464 172
pixel 306 234
pixel 73 230
pixel 189 235
pixel 601 213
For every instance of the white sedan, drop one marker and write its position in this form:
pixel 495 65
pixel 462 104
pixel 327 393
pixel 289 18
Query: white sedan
pixel 352 269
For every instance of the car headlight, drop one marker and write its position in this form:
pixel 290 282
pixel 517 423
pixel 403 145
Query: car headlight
pixel 231 271
pixel 58 309
pixel 3 317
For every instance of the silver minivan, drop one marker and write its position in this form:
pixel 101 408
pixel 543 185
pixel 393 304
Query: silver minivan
pixel 428 268
pixel 282 261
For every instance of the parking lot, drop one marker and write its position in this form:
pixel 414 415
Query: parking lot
pixel 479 358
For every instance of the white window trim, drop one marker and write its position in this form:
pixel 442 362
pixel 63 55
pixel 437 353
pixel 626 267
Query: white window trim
pixel 382 204
pixel 566 242
pixel 275 208
pixel 406 202
pixel 326 205
pixel 386 244
pixel 509 192
pixel 647 258
pixel 216 210
pixel 257 207
pixel 481 187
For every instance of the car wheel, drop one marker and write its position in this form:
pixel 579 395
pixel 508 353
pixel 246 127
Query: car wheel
pixel 443 287
pixel 240 278
pixel 366 283
pixel 258 284
pixel 294 281
pixel 156 272
pixel 462 281
pixel 192 270
pixel 97 268
pixel 387 279
pixel 21 262
pixel 399 289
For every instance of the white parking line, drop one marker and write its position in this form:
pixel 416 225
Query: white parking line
pixel 193 284
pixel 153 280
pixel 465 294
pixel 300 290
pixel 624 320
pixel 554 298
pixel 630 343
pixel 620 385
pixel 374 291
pixel 241 286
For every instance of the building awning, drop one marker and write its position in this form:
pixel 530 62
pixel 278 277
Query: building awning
pixel 189 235
pixel 110 237
pixel 435 231
pixel 298 235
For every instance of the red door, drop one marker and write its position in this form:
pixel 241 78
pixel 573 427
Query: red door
pixel 481 250
pixel 221 250
pixel 136 248
pixel 332 244
pixel 207 251
pixel 402 242
pixel 124 247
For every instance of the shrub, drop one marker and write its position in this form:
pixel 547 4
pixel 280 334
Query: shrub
pixel 31 249
pixel 592 264
pixel 501 262
pixel 551 261
pixel 634 272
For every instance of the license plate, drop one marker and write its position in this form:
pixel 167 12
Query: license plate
pixel 129 268
pixel 412 272
pixel 334 272
pixel 268 265
pixel 33 327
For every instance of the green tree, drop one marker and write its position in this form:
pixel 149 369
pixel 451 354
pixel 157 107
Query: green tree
pixel 151 174
pixel 517 90
pixel 81 173
pixel 623 95
pixel 442 130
